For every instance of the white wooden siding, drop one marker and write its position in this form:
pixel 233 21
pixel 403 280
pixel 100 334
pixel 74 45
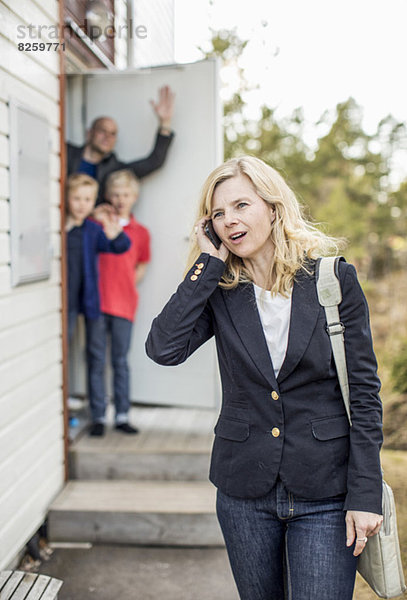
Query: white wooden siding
pixel 13 86
pixel 31 427
pixel 30 391
pixel 157 48
pixel 17 466
pixel 28 302
pixel 4 183
pixel 4 215
pixel 121 37
pixel 4 150
pixel 4 249
pixel 3 118
pixel 33 15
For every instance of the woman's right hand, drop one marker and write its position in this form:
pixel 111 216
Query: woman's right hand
pixel 205 243
pixel 361 525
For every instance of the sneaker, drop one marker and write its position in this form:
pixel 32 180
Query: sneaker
pixel 75 403
pixel 97 429
pixel 126 428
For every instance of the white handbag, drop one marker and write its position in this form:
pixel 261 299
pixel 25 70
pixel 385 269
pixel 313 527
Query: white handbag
pixel 380 562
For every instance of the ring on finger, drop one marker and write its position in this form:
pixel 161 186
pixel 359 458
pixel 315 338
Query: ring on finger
pixel 364 540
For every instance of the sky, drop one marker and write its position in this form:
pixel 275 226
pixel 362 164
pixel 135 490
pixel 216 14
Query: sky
pixel 313 53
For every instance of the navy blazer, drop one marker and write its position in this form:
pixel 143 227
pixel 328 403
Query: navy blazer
pixel 293 427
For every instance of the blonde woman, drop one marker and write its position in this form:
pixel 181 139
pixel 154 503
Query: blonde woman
pixel 298 492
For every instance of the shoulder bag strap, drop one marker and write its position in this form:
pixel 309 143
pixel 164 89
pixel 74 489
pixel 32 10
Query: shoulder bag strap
pixel 330 296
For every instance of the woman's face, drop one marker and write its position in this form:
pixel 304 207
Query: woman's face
pixel 242 219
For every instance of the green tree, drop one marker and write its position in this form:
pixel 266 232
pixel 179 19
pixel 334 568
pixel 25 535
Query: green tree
pixel 344 183
pixel 227 47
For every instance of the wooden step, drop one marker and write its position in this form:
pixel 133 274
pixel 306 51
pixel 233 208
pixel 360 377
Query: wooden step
pixel 107 464
pixel 18 585
pixel 173 444
pixel 139 512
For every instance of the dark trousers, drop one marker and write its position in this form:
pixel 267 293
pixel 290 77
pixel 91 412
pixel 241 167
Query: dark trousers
pixel 97 333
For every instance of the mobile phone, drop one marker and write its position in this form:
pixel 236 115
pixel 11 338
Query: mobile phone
pixel 210 232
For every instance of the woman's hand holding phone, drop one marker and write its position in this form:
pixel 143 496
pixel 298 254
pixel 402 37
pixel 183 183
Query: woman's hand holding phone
pixel 205 243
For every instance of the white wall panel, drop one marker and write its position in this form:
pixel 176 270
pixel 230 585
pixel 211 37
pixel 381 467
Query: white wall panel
pixel 4 248
pixel 55 218
pixel 5 279
pixel 28 302
pixel 14 29
pixel 29 424
pixel 4 150
pixel 120 40
pixel 4 182
pixel 31 391
pixel 12 86
pixel 4 118
pixel 31 427
pixel 27 363
pixel 55 199
pixel 5 275
pixel 55 166
pixel 54 138
pixel 4 215
pixel 56 246
pixel 29 71
pixel 157 48
pixel 15 340
pixel 45 10
pixel 49 8
pixel 28 480
pixel 35 450
pixel 29 515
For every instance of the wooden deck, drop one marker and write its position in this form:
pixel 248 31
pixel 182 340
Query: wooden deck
pixel 173 444
pixel 162 430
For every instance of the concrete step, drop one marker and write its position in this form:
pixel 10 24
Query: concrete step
pixel 87 462
pixel 140 512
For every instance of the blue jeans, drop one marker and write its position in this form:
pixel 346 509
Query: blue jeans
pixel 72 318
pixel 281 546
pixel 97 331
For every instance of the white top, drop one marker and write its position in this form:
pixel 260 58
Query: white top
pixel 275 312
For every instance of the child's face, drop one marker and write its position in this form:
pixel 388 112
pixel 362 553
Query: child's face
pixel 81 202
pixel 123 198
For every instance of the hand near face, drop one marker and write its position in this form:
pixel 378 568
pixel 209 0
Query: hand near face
pixel 164 108
pixel 107 216
pixel 205 243
pixel 103 212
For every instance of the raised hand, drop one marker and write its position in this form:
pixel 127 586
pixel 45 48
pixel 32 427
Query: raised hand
pixel 164 108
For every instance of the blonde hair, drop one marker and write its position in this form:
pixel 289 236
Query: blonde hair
pixel 123 177
pixel 295 239
pixel 81 179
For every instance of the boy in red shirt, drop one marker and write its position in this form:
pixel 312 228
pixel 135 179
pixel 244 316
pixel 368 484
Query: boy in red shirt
pixel 119 276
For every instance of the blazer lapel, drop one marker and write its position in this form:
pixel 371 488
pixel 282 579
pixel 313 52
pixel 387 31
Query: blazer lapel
pixel 242 307
pixel 304 315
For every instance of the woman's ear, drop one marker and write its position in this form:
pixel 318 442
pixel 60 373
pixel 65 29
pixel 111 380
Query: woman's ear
pixel 273 213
